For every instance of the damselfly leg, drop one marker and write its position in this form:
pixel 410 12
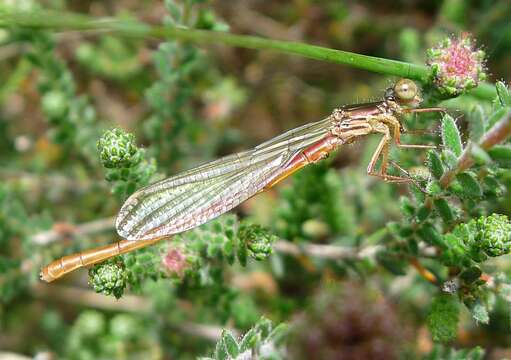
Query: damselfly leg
pixel 387 125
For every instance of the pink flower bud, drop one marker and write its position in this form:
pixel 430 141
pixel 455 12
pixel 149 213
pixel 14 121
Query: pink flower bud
pixel 456 65
pixel 175 261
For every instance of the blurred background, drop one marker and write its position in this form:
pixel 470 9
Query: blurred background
pixel 186 105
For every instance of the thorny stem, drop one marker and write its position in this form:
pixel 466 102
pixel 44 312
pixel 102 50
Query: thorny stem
pixel 58 21
pixel 497 134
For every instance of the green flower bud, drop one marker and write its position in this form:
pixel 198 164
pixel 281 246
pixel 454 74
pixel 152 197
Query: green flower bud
pixel 258 241
pixel 494 234
pixel 118 149
pixel 108 278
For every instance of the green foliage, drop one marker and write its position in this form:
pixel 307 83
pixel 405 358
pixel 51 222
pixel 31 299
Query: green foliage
pixel 494 234
pixel 71 117
pixel 443 317
pixel 444 353
pixel 93 336
pixel 127 166
pixel 111 57
pixel 180 68
pixel 478 239
pixel 317 193
pixel 263 341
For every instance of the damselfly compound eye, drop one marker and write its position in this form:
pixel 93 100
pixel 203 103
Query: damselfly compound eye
pixel 405 89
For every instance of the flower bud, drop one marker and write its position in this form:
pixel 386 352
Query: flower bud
pixel 108 278
pixel 494 234
pixel 258 240
pixel 118 149
pixel 456 65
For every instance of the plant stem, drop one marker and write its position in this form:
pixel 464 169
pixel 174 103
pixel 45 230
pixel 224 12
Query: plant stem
pixel 69 230
pixel 425 273
pixel 60 21
pixel 74 22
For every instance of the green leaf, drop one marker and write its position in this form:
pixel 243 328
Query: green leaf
pixel 264 327
pixel 443 317
pixel 434 188
pixel 446 353
pixel 476 124
pixel 480 156
pixel 392 263
pixel 435 164
pixel 480 313
pixel 449 158
pixel 430 235
pixel 455 252
pixel 278 334
pixel 231 346
pixel 221 351
pixel 496 116
pixel 503 94
pixel 470 186
pixel 451 136
pixel 471 274
pixel 501 154
pixel 407 207
pixel 250 339
pixel 423 213
pixel 173 9
pixel 444 210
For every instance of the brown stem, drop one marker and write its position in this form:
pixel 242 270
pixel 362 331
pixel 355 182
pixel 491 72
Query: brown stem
pixel 425 273
pixel 62 231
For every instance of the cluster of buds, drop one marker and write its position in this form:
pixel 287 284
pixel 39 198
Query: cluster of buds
pixel 258 241
pixel 494 234
pixel 118 149
pixel 108 278
pixel 456 65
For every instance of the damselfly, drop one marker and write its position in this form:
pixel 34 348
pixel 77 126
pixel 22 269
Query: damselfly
pixel 196 196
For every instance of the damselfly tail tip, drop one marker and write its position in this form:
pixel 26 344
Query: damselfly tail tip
pixel 45 276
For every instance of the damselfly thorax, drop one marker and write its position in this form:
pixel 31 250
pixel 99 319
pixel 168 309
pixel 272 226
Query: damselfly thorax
pixel 189 199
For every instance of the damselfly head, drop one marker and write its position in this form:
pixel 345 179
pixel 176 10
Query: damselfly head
pixel 405 92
